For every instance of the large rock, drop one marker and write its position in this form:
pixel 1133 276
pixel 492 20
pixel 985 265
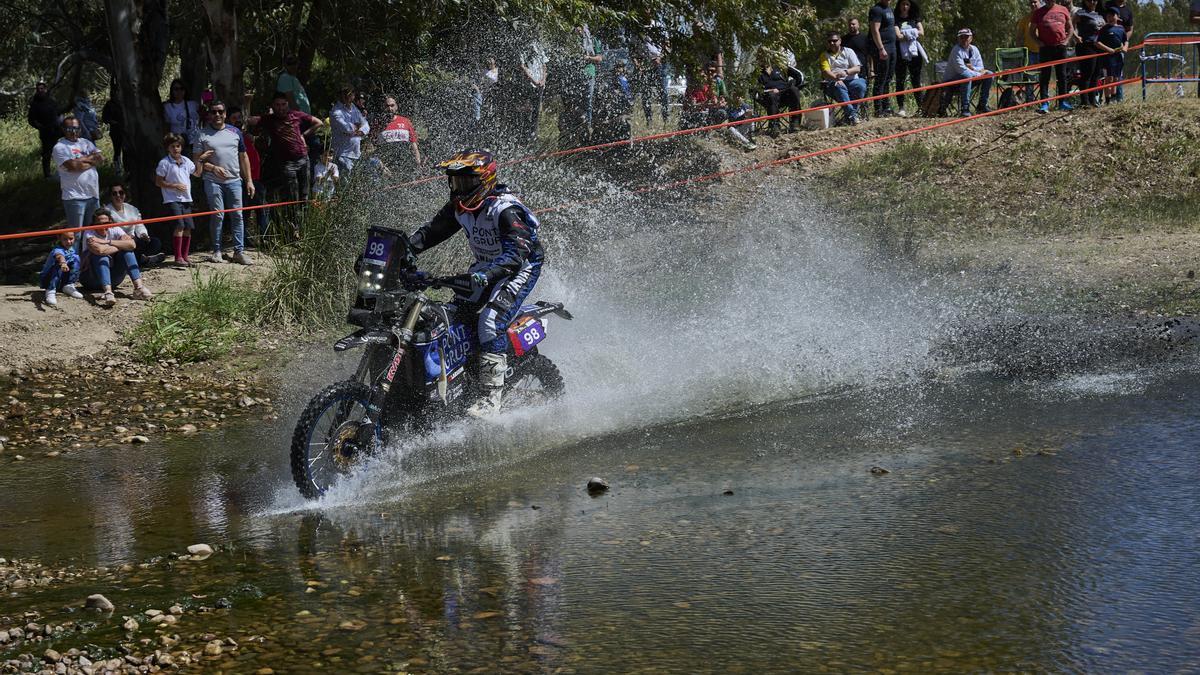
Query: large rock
pixel 98 602
pixel 200 550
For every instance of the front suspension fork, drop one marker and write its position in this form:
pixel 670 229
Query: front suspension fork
pixel 379 394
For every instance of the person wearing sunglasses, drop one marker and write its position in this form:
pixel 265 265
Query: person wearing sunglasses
pixel 149 248
pixel 77 159
pixel 220 152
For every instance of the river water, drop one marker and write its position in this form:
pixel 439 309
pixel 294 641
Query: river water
pixel 1032 526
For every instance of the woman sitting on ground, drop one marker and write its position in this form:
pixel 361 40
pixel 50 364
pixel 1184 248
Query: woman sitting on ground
pixel 108 255
pixel 149 249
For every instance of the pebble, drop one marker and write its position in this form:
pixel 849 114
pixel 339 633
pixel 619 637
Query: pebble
pixel 188 429
pixel 52 656
pixel 99 602
pixel 200 550
pixel 596 485
pixel 879 471
pixel 213 648
pixel 130 625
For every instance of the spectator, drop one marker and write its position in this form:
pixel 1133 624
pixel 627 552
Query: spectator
pixel 349 128
pixel 966 62
pixel 1125 18
pixel 173 176
pixel 182 115
pixel 1052 26
pixel 149 248
pixel 325 176
pixel 702 106
pixel 376 170
pixel 840 79
pixel 61 271
pixel 858 42
pixel 399 130
pixel 360 102
pixel 108 255
pixel 1113 42
pixel 1194 12
pixel 220 152
pixel 912 56
pixel 774 90
pixel 289 85
pixel 114 117
pixel 614 104
pixel 1027 37
pixel 883 54
pixel 257 196
pixel 43 116
pixel 1088 24
pixel 89 124
pixel 481 89
pixel 592 56
pixel 533 68
pixel 289 150
pixel 651 78
pixel 76 159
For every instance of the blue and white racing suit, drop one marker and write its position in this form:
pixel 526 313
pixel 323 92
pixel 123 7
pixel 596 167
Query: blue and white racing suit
pixel 502 233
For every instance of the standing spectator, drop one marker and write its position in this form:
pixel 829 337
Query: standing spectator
pixel 76 159
pixel 108 255
pixel 1113 42
pixel 290 86
pixel 257 196
pixel 858 42
pixel 325 176
pixel 651 78
pixel 966 62
pixel 840 79
pixel 43 116
pixel 220 152
pixel 149 248
pixel 592 56
pixel 173 176
pixel 182 115
pixel 114 117
pixel 1052 25
pixel 533 67
pixel 481 89
pixel 1027 37
pixel 1088 24
pixel 883 43
pixel 399 130
pixel 89 123
pixel 912 56
pixel 1125 18
pixel 349 128
pixel 61 270
pixel 775 90
pixel 289 149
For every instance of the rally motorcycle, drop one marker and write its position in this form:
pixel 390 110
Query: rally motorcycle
pixel 417 365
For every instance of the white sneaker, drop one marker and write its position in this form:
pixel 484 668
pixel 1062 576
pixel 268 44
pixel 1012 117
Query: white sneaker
pixel 72 292
pixel 241 258
pixel 49 298
pixel 216 258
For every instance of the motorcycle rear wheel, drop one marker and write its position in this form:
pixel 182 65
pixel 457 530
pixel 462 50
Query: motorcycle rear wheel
pixel 537 381
pixel 331 436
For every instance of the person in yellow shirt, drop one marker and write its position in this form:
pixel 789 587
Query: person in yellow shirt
pixel 1027 39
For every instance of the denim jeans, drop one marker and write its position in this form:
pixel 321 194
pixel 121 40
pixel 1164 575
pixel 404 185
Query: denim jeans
pixel 965 89
pixel 110 270
pixel 225 196
pixel 854 89
pixel 79 213
pixel 53 277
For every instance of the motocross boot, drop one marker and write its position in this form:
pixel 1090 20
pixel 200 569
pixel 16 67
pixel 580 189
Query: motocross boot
pixel 492 368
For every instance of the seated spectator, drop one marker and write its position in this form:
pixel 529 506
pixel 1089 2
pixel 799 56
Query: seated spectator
pixel 840 79
pixel 966 62
pixel 325 176
pixel 1113 42
pixel 775 90
pixel 107 257
pixel 174 177
pixel 149 249
pixel 61 271
pixel 703 107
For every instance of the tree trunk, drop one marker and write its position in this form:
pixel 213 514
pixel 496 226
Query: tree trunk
pixel 223 55
pixel 140 39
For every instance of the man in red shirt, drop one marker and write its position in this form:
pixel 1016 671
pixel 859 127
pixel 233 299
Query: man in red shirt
pixel 1051 27
pixel 288 130
pixel 399 130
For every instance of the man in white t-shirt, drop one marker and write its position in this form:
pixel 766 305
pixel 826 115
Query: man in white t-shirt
pixel 840 68
pixel 76 159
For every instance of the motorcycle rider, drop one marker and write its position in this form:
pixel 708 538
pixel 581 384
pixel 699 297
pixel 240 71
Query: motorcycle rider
pixel 502 234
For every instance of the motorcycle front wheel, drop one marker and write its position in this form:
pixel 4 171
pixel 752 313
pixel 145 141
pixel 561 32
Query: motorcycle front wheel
pixel 332 435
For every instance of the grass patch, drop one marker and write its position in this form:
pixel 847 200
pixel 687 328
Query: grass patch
pixel 204 322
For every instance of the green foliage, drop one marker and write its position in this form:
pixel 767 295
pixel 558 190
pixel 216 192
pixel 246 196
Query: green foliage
pixel 201 323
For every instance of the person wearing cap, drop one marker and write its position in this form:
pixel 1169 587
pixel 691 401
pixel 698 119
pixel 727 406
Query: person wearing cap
pixel 965 63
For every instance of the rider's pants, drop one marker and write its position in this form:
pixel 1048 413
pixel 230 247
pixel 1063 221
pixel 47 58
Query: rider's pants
pixel 503 301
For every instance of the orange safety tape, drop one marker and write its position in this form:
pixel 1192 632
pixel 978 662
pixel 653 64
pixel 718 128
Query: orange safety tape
pixel 839 148
pixel 752 120
pixel 162 219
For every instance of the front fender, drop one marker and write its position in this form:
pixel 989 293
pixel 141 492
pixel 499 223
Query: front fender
pixel 366 336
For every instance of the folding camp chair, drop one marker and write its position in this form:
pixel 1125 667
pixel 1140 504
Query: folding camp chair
pixel 1008 86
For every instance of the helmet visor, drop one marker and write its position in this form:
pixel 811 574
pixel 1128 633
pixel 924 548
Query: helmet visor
pixel 463 185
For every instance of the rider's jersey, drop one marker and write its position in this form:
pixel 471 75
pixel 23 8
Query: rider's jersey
pixel 502 233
